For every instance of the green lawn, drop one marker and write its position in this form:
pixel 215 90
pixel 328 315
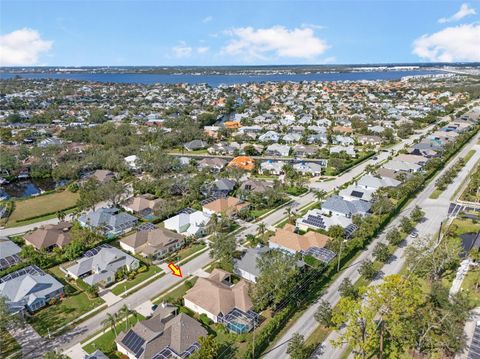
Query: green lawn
pixel 42 205
pixel 296 191
pixel 8 345
pixel 139 278
pixel 471 286
pixel 106 342
pixel 188 251
pixel 56 316
pixel 436 193
pixel 177 293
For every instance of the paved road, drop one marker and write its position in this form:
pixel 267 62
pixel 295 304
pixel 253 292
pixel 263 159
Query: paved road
pixel 435 212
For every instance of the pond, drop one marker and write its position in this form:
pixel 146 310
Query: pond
pixel 29 188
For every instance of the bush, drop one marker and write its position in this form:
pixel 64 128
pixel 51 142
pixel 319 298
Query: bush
pixel 73 187
pixel 204 319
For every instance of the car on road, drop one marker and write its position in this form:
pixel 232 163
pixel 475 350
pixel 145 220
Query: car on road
pixel 414 234
pixel 375 158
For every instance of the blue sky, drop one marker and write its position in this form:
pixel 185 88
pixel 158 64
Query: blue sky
pixel 75 33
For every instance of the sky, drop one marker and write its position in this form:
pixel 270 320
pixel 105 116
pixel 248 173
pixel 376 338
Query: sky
pixel 170 33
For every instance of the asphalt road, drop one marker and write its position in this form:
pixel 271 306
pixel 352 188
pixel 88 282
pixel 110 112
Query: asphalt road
pixel 435 212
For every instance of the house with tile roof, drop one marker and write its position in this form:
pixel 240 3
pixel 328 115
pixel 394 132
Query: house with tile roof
pixel 228 205
pixel 155 243
pixel 243 162
pixel 49 236
pixel 286 239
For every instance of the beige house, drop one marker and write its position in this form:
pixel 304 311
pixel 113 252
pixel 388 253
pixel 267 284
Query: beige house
pixel 155 244
pixel 285 238
pixel 216 297
pixel 50 236
pixel 142 204
pixel 227 205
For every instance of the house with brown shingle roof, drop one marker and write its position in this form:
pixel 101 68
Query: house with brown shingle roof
pixel 216 297
pixel 142 204
pixel 228 205
pixel 286 239
pixel 167 334
pixel 50 236
pixel 156 243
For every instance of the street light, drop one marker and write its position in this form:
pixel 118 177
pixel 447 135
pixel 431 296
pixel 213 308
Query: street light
pixel 340 255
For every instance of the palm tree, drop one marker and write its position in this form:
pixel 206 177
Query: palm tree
pixel 261 230
pixel 289 212
pixel 110 322
pixel 125 313
pixel 321 194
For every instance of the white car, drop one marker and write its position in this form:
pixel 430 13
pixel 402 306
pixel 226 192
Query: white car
pixel 414 234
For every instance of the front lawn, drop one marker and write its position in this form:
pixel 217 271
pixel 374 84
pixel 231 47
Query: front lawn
pixel 8 345
pixel 471 286
pixel 296 191
pixel 188 251
pixel 48 204
pixel 119 288
pixel 66 311
pixel 106 342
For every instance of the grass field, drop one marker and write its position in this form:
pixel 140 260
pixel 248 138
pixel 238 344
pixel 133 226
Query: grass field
pixel 8 345
pixel 38 206
pixel 56 316
pixel 106 341
pixel 139 278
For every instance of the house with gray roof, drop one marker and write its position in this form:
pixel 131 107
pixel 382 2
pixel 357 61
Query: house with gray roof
pixel 9 253
pixel 353 193
pixel 195 145
pixel 374 183
pixel 99 265
pixel 167 334
pixel 247 267
pixel 337 206
pixel 109 221
pixel 29 288
pixel 213 164
pixel 219 188
pixel 401 166
pixel 272 167
pixel 277 150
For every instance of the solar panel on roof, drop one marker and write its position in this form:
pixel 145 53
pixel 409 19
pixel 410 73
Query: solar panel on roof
pixel 357 194
pixel 146 227
pixel 134 343
pixel 322 254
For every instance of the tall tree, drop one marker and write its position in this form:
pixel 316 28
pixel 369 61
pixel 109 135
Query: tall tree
pixel 222 250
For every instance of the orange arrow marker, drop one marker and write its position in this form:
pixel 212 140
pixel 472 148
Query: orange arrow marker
pixel 176 271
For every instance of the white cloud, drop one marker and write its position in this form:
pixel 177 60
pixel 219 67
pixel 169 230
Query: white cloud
pixel 313 26
pixel 22 47
pixel 276 41
pixel 202 50
pixel 458 43
pixel 465 10
pixel 207 19
pixel 182 50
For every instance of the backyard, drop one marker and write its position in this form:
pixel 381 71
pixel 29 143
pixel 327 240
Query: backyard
pixel 36 207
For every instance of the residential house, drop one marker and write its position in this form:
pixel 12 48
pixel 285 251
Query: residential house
pixel 142 205
pixel 309 168
pixel 195 145
pixel 278 150
pixel 221 301
pixel 292 137
pixel 155 243
pixel 213 164
pixel 229 206
pixel 247 266
pixel 353 193
pixel 342 129
pixel 416 159
pixel 305 150
pixel 316 219
pixel 103 176
pixel 189 223
pixel 110 221
pixel 49 236
pixel 255 186
pixel 29 289
pixel 166 334
pixel 271 167
pixel 337 206
pixel 286 239
pixel 100 265
pixel 374 183
pixel 269 136
pixel 343 140
pixel 369 140
pixel 401 166
pixel 9 253
pixel 219 188
pixel 243 162
pixel 349 150
pixel 132 162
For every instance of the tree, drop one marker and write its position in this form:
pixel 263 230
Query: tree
pixel 261 230
pixel 382 205
pixel 277 278
pixel 6 317
pixel 290 214
pixel 393 237
pixel 125 313
pixel 381 252
pixel 209 348
pixel 113 191
pixel 320 195
pixel 297 348
pixel 222 250
pixel 90 194
pixel 406 225
pixel 367 269
pixel 347 289
pixel 417 214
pixel 110 322
pixel 324 314
pixel 55 355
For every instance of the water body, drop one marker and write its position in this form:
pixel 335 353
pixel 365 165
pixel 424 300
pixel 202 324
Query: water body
pixel 216 80
pixel 30 187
